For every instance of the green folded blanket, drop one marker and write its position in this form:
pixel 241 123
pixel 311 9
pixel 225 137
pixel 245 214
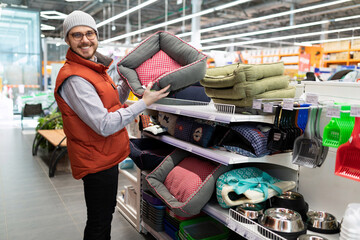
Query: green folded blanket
pixel 249 89
pixel 288 92
pixel 223 77
pixel 255 72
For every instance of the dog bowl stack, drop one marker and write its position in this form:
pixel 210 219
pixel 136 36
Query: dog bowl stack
pixel 291 200
pixel 322 222
pixel 239 84
pixel 284 222
pixel 350 229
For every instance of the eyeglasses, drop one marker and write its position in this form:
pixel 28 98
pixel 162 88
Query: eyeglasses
pixel 78 36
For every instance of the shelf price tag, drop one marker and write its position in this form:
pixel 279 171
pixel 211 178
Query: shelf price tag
pixel 288 104
pixel 268 107
pixel 333 111
pixel 257 104
pixel 312 98
pixel 355 111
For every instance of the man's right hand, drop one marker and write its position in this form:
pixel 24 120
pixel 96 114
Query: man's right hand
pixel 150 97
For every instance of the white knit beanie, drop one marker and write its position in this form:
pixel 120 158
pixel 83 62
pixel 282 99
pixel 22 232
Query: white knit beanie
pixel 78 18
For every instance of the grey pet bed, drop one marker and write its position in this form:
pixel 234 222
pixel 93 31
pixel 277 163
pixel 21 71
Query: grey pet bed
pixel 182 180
pixel 163 59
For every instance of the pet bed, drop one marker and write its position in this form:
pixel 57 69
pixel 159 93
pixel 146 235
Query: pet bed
pixel 248 185
pixel 247 102
pixel 222 77
pixel 163 59
pixel 147 153
pixel 255 72
pixel 249 89
pixel 185 182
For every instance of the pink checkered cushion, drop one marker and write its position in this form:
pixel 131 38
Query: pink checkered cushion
pixel 186 178
pixel 155 67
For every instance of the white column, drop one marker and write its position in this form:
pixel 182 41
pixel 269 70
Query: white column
pixel 195 24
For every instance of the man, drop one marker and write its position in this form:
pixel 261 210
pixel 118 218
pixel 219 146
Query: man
pixel 94 120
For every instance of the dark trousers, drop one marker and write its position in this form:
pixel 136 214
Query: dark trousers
pixel 100 196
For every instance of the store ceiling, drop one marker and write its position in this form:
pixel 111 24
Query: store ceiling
pixel 155 14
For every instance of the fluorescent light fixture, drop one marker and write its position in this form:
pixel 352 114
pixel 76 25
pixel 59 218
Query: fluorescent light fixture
pixel 278 38
pixel 52 15
pixel 78 0
pixel 277 29
pixel 45 27
pixel 264 17
pixel 262 32
pixel 326 40
pixel 127 12
pixel 303 44
pixel 346 18
pixel 175 21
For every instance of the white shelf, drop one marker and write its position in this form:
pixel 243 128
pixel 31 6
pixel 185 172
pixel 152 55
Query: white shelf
pixel 128 212
pixel 225 157
pixel 245 227
pixel 209 112
pixel 156 234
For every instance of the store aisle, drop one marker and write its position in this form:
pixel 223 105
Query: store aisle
pixel 36 207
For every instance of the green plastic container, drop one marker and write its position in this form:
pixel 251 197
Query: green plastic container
pixel 203 228
pixel 338 130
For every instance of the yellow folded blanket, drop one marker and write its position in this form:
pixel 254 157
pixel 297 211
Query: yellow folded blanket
pixel 249 89
pixel 247 102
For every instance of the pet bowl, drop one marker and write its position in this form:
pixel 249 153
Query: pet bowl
pixel 322 222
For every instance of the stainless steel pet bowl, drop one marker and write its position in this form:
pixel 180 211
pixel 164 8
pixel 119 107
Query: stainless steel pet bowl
pixel 322 221
pixel 250 210
pixel 311 237
pixel 282 220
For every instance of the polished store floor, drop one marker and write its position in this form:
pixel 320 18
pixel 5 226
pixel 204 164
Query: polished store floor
pixel 36 207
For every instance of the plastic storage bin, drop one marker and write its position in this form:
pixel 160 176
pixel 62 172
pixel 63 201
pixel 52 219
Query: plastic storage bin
pixel 203 228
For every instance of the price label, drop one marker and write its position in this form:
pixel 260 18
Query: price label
pixel 257 104
pixel 312 98
pixel 21 89
pixel 268 107
pixel 355 111
pixel 288 104
pixel 333 111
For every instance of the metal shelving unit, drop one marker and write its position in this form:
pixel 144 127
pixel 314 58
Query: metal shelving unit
pixel 208 111
pixel 246 227
pixel 225 157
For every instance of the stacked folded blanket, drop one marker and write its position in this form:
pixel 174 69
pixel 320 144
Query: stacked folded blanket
pixel 239 84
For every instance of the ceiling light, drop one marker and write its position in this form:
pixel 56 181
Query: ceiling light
pixel 174 21
pixel 52 15
pixel 276 29
pixel 277 38
pixel 125 13
pixel 262 32
pixel 327 40
pixel 346 18
pixel 78 0
pixel 264 17
pixel 45 27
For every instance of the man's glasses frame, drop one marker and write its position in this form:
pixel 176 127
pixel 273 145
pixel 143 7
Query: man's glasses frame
pixel 78 36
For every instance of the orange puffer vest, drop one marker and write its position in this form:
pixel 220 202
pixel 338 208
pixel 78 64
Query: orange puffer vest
pixel 88 151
